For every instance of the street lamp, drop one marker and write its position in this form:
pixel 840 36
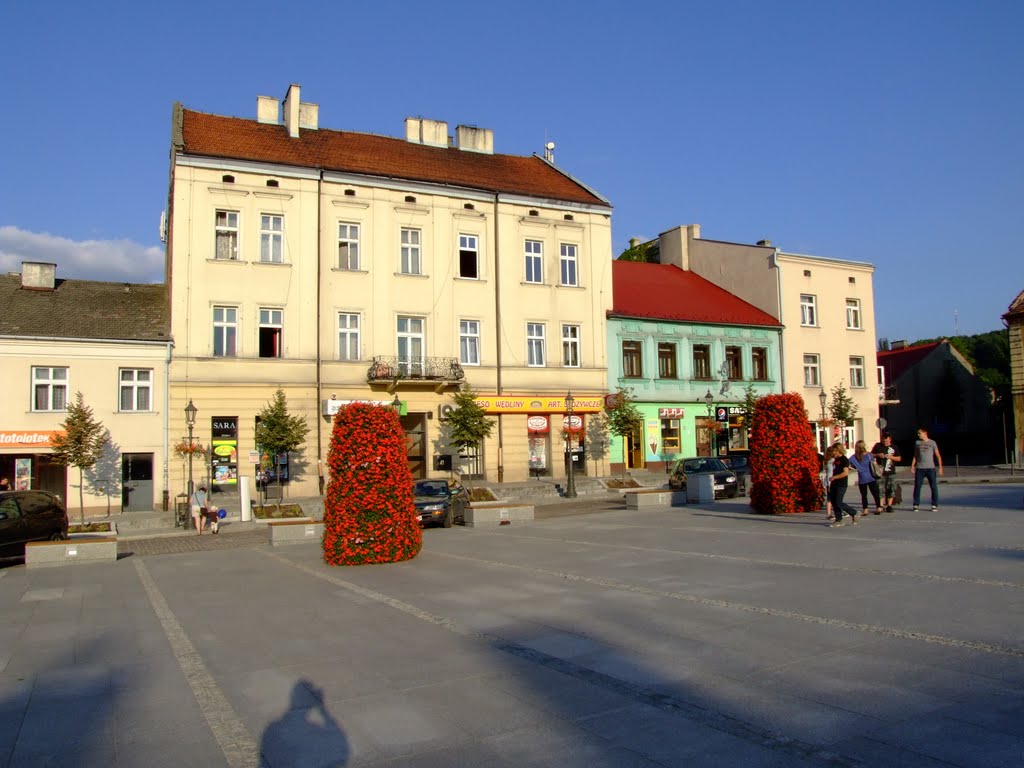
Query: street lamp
pixel 570 487
pixel 709 399
pixel 397 404
pixel 823 398
pixel 190 420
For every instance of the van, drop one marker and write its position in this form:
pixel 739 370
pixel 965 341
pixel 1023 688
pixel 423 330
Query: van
pixel 30 516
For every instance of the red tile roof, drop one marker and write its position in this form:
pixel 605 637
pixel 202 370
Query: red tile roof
pixel 666 292
pixel 896 362
pixel 362 153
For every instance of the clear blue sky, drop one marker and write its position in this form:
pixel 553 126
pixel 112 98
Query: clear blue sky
pixel 885 131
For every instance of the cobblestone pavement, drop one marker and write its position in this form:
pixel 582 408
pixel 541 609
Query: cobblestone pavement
pixel 179 543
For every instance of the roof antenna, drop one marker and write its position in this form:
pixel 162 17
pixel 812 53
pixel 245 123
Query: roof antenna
pixel 549 152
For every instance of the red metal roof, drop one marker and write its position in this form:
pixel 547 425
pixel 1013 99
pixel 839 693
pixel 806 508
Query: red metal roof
pixel 362 153
pixel 666 292
pixel 896 362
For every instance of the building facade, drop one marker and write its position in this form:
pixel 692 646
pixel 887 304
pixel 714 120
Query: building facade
pixel 687 350
pixel 111 343
pixel 1014 319
pixel 342 267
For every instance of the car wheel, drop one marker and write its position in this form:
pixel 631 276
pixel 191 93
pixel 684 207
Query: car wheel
pixel 57 536
pixel 735 493
pixel 447 518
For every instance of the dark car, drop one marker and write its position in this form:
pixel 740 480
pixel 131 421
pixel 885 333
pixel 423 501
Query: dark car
pixel 740 465
pixel 440 501
pixel 725 479
pixel 30 516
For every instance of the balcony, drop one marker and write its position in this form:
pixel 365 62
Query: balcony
pixel 440 372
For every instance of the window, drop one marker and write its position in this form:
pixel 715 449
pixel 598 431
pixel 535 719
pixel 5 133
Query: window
pixel 135 389
pixel 348 246
pixel 701 361
pixel 348 336
pixel 469 342
pixel 225 331
pixel 571 346
pixel 411 340
pixel 535 344
pixel 857 373
pixel 226 236
pixel 412 263
pixel 811 373
pixel 271 238
pixel 734 363
pixel 469 257
pixel 568 264
pixel 270 332
pixel 50 388
pixel 853 314
pixel 808 309
pixel 669 436
pixel 534 261
pixel 632 365
pixel 667 361
pixel 760 360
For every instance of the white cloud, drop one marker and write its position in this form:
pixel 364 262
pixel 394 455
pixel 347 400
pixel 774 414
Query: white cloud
pixel 112 260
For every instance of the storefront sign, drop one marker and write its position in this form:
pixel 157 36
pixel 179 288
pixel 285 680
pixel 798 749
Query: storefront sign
pixel 27 438
pixel 541 403
pixel 537 424
pixel 575 423
pixel 671 413
pixel 224 454
pixel 653 430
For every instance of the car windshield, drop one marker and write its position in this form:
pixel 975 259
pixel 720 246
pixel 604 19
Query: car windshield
pixel 709 464
pixel 431 488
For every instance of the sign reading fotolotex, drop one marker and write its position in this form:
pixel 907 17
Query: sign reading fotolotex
pixel 27 438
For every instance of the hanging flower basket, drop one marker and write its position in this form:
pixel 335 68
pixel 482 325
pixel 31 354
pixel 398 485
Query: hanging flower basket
pixel 185 449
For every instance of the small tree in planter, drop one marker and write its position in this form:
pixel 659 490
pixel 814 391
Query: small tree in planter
pixel 467 425
pixel 278 432
pixel 81 444
pixel 624 418
pixel 842 407
pixel 783 458
pixel 369 514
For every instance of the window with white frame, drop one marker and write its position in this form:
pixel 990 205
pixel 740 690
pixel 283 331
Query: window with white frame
pixel 411 345
pixel 570 346
pixel 808 309
pixel 734 363
pixel 469 342
pixel 412 257
pixel 701 361
pixel 348 246
pixel 535 344
pixel 271 328
pixel 853 314
pixel 667 360
pixel 857 373
pixel 271 238
pixel 49 389
pixel 534 261
pixel 225 331
pixel 136 389
pixel 469 257
pixel 348 336
pixel 226 235
pixel 632 359
pixel 567 262
pixel 812 372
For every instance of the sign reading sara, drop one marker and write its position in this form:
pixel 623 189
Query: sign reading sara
pixel 539 403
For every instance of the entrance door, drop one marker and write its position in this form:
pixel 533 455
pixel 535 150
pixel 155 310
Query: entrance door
pixel 635 449
pixel 704 436
pixel 137 482
pixel 415 427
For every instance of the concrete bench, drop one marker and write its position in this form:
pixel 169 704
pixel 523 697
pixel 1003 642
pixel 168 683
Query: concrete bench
pixel 72 552
pixel 496 512
pixel 294 531
pixel 652 497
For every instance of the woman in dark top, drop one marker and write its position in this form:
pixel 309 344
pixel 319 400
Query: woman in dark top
pixel 837 487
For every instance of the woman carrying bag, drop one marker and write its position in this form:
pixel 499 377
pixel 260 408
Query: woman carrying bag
pixel 198 503
pixel 867 476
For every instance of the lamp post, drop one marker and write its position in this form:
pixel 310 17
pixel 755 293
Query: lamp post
pixel 190 420
pixel 709 400
pixel 570 486
pixel 397 404
pixel 823 398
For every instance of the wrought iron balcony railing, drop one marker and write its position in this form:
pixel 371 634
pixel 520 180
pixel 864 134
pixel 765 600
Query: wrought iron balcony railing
pixel 435 369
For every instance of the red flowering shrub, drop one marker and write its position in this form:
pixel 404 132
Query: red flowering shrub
pixel 783 458
pixel 369 514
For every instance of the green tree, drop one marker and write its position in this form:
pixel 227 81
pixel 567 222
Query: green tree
pixel 649 252
pixel 624 418
pixel 750 398
pixel 467 424
pixel 81 444
pixel 279 432
pixel 597 438
pixel 841 406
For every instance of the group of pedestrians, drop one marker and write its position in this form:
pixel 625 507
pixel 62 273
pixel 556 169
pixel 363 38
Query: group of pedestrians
pixel 874 467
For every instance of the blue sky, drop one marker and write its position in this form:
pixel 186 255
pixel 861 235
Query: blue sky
pixel 888 132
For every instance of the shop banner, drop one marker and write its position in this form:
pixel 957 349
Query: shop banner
pixel 539 403
pixel 28 438
pixel 224 445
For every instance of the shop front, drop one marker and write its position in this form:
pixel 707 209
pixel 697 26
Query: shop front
pixel 26 462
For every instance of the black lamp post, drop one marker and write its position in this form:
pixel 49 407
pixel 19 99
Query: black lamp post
pixel 823 398
pixel 397 404
pixel 709 400
pixel 570 486
pixel 190 420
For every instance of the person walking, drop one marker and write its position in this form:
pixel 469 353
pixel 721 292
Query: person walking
pixel 887 456
pixel 927 460
pixel 198 503
pixel 5 484
pixel 837 486
pixel 862 461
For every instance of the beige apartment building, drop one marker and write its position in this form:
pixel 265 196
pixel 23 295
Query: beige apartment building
pixel 826 307
pixel 109 341
pixel 343 266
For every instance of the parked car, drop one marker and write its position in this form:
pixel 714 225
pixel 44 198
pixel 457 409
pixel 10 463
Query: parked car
pixel 30 516
pixel 740 465
pixel 726 484
pixel 440 501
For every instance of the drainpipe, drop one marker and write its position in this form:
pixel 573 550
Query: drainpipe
pixel 497 339
pixel 167 428
pixel 778 289
pixel 319 356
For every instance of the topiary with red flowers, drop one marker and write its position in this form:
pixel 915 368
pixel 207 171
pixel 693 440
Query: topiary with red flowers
pixel 783 458
pixel 369 514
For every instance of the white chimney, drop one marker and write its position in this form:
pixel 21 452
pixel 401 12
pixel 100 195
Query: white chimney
pixel 432 133
pixel 38 275
pixel 268 110
pixel 473 139
pixel 291 110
